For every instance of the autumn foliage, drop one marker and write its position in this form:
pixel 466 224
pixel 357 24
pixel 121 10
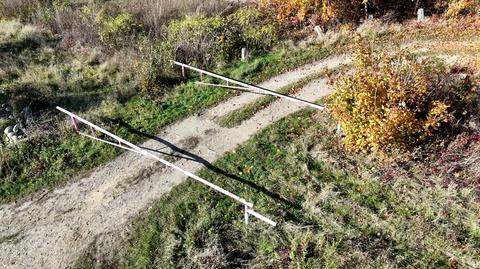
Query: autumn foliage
pixel 390 101
pixel 459 7
pixel 313 11
pixel 328 12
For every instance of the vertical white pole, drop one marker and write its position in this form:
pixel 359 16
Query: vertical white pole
pixel 339 129
pixel 421 14
pixel 74 123
pixel 244 54
pixel 319 30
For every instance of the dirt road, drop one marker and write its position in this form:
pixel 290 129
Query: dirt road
pixel 52 229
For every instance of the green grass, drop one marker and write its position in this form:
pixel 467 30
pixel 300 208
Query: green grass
pixel 53 153
pixel 328 217
pixel 237 116
pixel 263 67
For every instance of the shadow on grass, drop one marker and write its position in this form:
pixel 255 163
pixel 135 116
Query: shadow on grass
pixel 184 154
pixel 78 102
pixel 25 95
pixel 19 53
pixel 18 45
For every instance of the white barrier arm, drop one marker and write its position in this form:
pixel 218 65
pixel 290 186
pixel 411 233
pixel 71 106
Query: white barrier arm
pixel 243 84
pixel 129 146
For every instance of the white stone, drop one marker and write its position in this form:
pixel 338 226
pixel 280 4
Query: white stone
pixel 14 138
pixel 473 125
pixel 11 137
pixel 17 128
pixel 9 129
pixel 29 121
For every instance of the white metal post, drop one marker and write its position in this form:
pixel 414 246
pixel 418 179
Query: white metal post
pixel 421 14
pixel 244 54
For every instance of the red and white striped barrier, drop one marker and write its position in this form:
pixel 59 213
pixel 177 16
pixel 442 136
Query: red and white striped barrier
pixel 124 144
pixel 243 85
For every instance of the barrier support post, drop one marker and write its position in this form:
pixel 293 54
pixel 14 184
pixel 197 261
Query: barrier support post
pixel 74 123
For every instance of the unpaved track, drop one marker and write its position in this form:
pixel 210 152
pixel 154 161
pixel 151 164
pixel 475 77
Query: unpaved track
pixel 51 230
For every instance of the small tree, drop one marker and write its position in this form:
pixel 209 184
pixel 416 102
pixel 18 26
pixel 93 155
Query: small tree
pixel 206 40
pixel 390 101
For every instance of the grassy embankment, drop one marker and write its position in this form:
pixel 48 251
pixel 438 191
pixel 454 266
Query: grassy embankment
pixel 330 216
pixel 335 209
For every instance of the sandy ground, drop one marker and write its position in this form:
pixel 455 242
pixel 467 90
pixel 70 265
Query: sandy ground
pixel 51 229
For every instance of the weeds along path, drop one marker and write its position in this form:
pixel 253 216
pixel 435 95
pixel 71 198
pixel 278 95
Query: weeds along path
pixel 52 229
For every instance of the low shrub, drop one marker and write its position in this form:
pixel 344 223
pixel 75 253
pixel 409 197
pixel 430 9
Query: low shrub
pixel 219 39
pixel 199 40
pixel 152 69
pixel 119 31
pixel 391 101
pixel 156 14
pixel 253 30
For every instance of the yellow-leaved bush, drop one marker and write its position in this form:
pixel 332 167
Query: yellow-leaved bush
pixel 389 101
pixel 317 11
pixel 460 7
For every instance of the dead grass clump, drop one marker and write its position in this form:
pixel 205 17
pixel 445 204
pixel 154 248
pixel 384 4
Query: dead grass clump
pixel 22 9
pixel 335 38
pixel 376 28
pixel 459 162
pixel 9 29
pixel 76 23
